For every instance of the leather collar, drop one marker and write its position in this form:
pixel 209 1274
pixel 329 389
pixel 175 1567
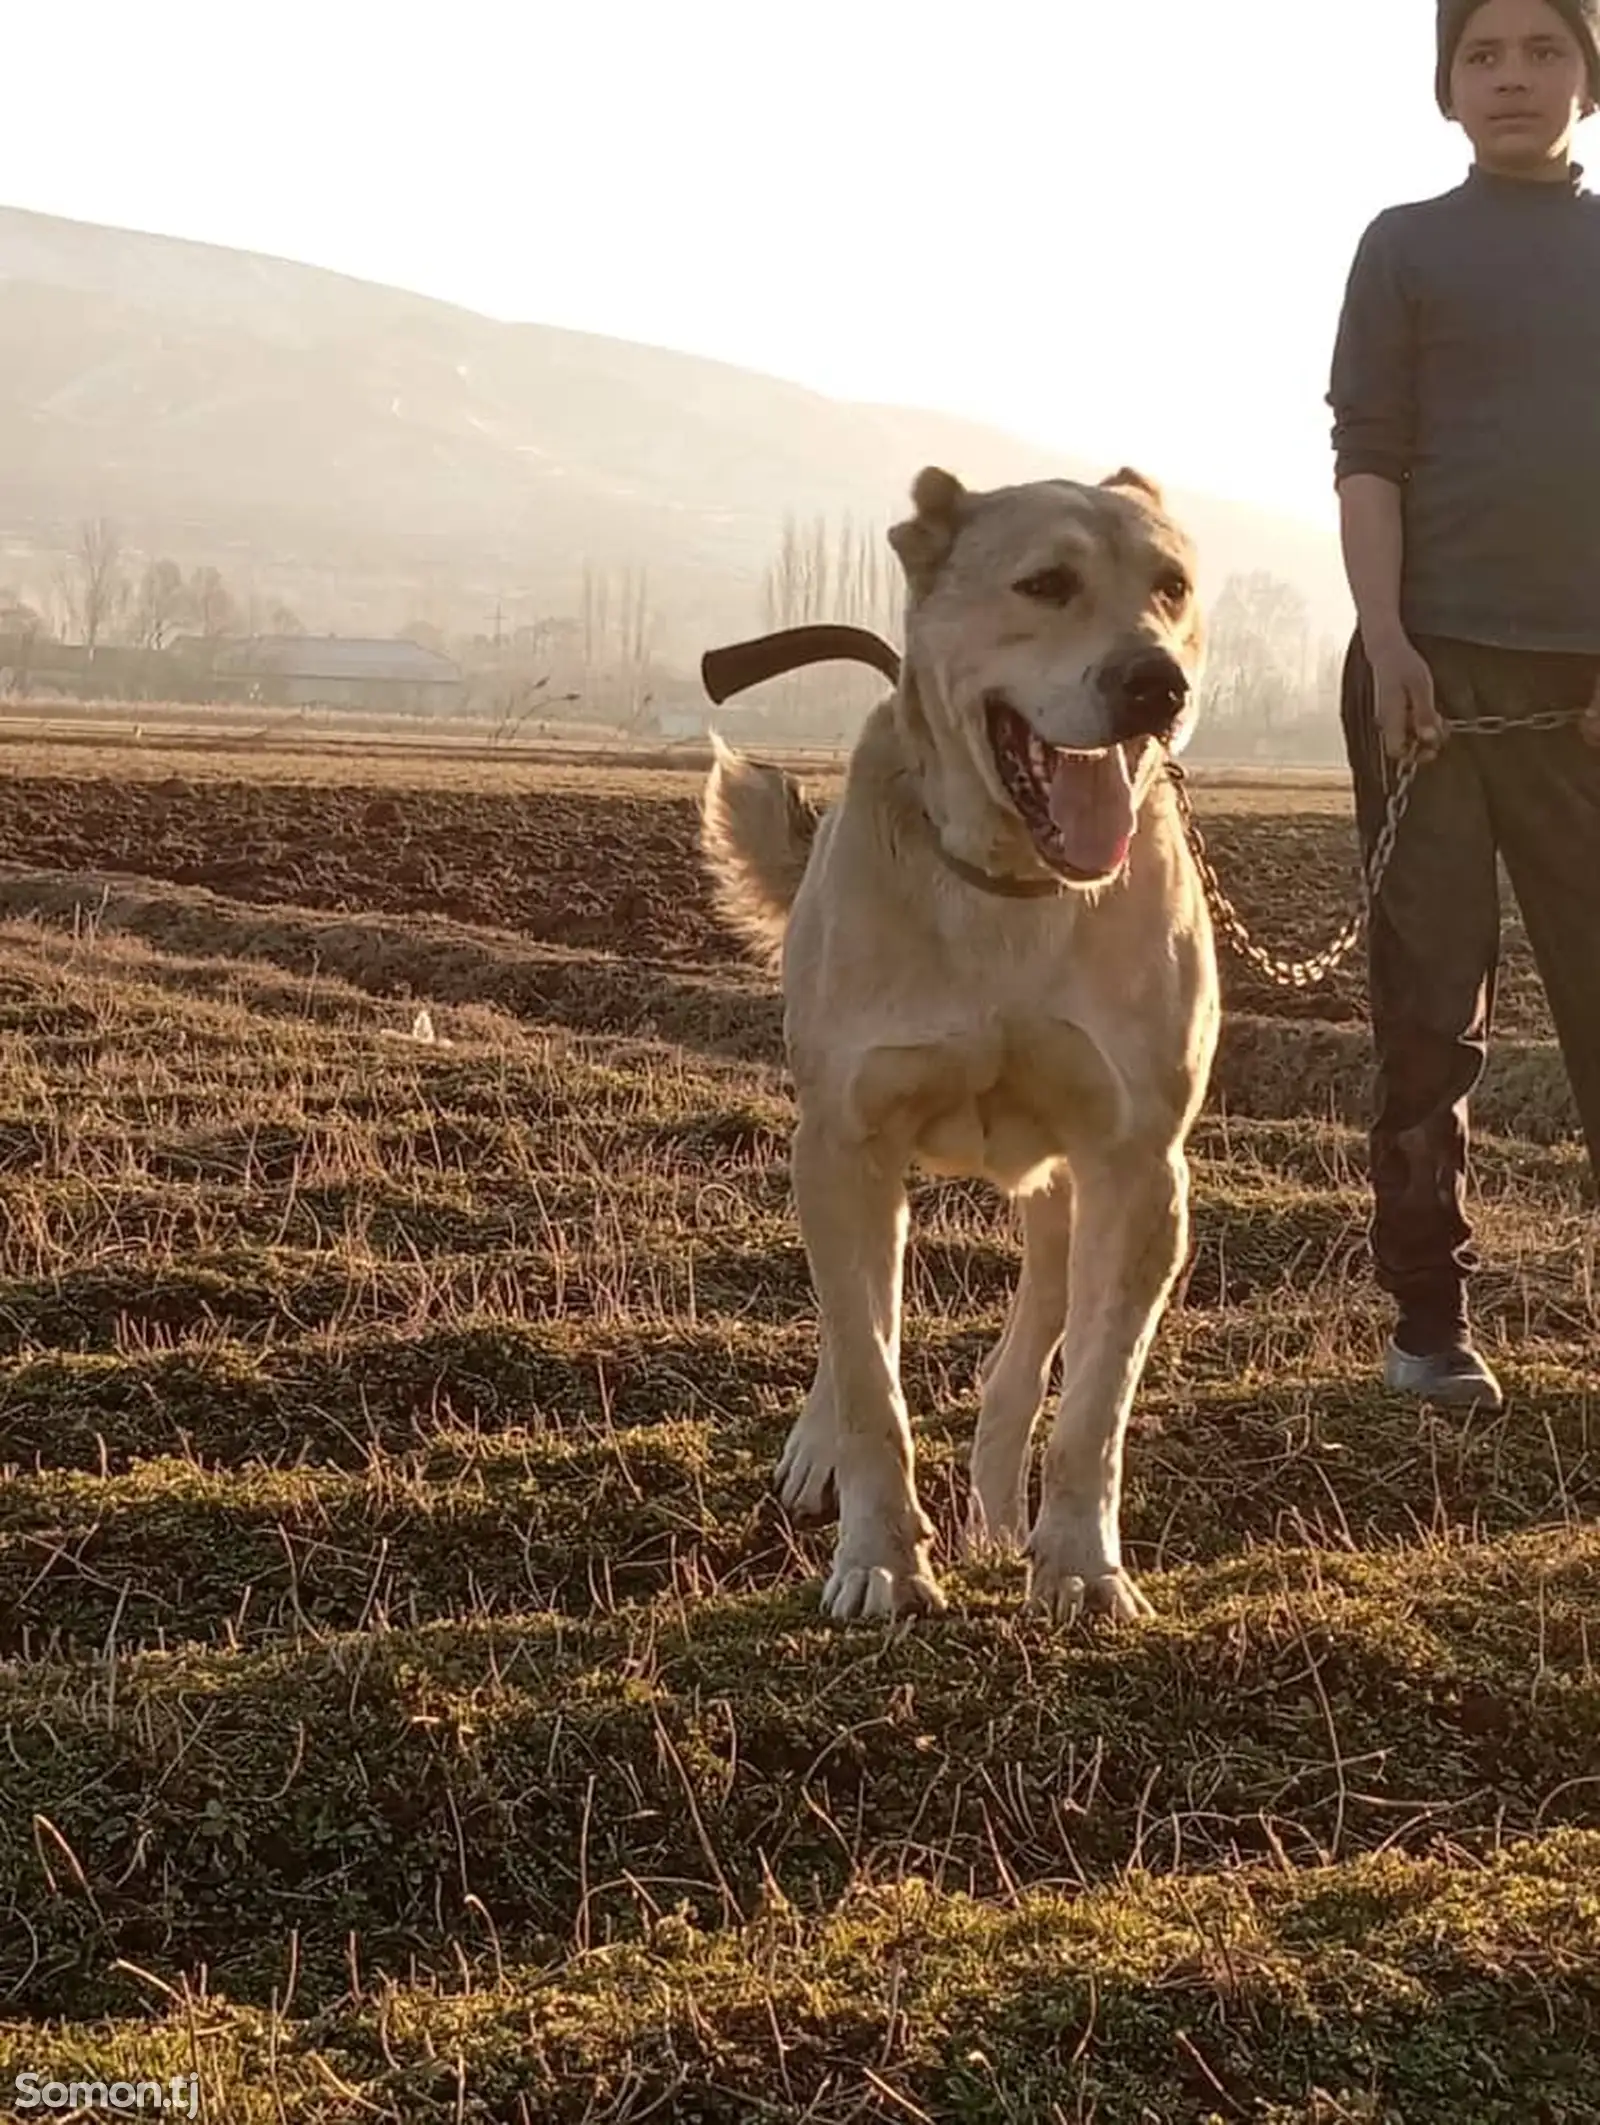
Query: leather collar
pixel 1002 888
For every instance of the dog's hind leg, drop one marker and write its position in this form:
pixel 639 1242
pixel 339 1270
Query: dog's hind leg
pixel 1016 1374
pixel 854 1216
pixel 1129 1242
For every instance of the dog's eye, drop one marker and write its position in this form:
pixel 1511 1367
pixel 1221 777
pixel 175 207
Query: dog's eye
pixel 1053 586
pixel 1173 587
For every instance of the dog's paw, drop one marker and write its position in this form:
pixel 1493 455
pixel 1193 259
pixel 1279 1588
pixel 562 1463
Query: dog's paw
pixel 804 1476
pixel 876 1593
pixel 1069 1578
pixel 879 1575
pixel 1064 1599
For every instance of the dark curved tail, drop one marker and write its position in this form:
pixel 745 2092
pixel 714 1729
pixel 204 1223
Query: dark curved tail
pixel 745 664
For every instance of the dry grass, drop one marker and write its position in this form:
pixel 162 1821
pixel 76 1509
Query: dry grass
pixel 413 1704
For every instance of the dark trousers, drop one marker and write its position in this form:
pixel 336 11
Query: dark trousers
pixel 1533 799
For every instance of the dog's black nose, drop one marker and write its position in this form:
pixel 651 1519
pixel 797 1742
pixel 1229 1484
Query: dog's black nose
pixel 1147 693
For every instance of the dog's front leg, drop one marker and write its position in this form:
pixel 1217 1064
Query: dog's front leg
pixel 1130 1236
pixel 1016 1375
pixel 853 1211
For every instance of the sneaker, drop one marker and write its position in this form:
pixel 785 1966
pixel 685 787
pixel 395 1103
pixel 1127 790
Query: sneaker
pixel 1457 1378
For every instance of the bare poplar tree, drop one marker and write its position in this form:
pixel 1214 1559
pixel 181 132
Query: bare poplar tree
pixel 159 604
pixel 213 605
pixel 1259 673
pixel 93 582
pixel 818 575
pixel 589 626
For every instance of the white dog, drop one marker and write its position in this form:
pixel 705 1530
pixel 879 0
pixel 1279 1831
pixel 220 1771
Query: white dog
pixel 997 961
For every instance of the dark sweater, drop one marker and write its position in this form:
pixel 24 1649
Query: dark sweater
pixel 1467 369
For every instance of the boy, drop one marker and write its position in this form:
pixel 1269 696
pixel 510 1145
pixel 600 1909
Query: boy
pixel 1466 399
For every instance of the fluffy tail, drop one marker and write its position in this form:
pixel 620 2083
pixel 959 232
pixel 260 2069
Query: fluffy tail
pixel 757 826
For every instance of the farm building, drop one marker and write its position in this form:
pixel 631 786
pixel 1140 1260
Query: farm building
pixel 338 671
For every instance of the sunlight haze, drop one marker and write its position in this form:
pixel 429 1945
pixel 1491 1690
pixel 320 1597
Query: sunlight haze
pixel 1119 230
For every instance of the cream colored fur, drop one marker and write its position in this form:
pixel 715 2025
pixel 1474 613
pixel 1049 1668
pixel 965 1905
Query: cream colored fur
pixel 1060 1047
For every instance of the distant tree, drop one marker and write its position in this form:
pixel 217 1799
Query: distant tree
pixel 596 610
pixel 22 627
pixel 159 604
pixel 92 583
pixel 212 605
pixel 844 576
pixel 1259 673
pixel 284 620
pixel 610 641
pixel 20 619
pixel 840 576
pixel 782 596
pixel 635 632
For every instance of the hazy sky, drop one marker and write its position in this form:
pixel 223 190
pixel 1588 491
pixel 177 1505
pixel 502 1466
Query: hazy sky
pixel 1119 227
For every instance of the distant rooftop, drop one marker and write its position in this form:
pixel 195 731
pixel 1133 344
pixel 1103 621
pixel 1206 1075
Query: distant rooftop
pixel 337 657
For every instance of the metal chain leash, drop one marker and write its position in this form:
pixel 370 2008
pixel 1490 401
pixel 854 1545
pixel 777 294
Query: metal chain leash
pixel 1309 973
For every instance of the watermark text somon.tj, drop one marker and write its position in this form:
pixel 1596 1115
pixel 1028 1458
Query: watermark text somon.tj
pixel 178 2097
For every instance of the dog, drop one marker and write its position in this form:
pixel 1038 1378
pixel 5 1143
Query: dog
pixel 997 962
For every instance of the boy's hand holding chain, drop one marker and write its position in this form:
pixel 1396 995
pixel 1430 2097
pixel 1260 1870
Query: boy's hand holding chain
pixel 1414 732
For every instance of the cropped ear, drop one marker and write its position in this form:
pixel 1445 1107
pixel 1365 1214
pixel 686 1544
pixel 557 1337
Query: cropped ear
pixel 923 542
pixel 1136 483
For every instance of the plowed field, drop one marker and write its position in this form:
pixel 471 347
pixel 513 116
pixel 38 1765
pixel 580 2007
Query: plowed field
pixel 610 868
pixel 413 1701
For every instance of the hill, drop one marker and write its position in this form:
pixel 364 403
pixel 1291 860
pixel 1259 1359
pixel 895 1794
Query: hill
pixel 367 453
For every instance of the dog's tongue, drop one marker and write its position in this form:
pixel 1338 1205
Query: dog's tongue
pixel 1091 802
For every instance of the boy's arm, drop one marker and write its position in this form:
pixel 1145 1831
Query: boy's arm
pixel 1373 537
pixel 1372 399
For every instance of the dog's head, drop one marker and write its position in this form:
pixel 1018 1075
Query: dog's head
pixel 1053 646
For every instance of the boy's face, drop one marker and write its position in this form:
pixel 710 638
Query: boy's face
pixel 1519 86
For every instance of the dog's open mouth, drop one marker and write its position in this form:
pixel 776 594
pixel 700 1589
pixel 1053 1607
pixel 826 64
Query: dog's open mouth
pixel 1078 807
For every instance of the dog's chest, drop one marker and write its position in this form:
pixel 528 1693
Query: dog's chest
pixel 997 1100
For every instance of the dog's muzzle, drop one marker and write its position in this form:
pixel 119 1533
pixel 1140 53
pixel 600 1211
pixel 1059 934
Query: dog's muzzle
pixel 1147 694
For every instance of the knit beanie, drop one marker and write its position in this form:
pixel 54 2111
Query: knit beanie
pixel 1582 17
